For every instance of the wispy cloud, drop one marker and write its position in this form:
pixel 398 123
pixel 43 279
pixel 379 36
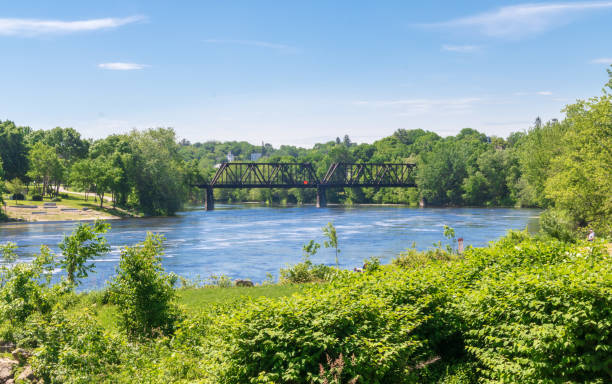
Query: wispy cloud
pixel 461 48
pixel 34 27
pixel 603 60
pixel 524 19
pixel 122 66
pixel 255 43
pixel 411 107
pixel 541 93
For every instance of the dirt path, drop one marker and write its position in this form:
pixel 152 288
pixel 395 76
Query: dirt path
pixel 62 190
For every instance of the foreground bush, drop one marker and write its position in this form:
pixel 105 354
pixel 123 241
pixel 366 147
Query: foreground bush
pixel 522 310
pixel 144 294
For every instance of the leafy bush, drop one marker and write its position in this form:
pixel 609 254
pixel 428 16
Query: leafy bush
pixel 85 243
pixel 56 198
pixel 142 291
pixel 23 285
pixel 74 351
pixel 545 321
pixel 18 196
pixel 558 224
pixel 383 318
pixel 37 198
pixel 412 258
pixel 306 272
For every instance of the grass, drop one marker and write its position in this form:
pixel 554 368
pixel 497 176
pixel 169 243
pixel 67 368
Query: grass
pixel 71 201
pixel 192 300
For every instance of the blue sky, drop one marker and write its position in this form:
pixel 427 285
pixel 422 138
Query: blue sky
pixel 289 72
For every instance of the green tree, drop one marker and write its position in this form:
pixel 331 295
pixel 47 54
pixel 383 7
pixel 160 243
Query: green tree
pixel 13 150
pixel 81 246
pixel 329 231
pixel 581 174
pixel 81 175
pixel 67 143
pixel 143 293
pixel 159 179
pixel 103 176
pixel 46 168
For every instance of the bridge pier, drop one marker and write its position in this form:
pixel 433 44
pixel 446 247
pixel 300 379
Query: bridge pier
pixel 321 198
pixel 209 201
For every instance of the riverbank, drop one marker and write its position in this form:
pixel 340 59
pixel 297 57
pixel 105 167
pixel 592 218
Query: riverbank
pixel 71 207
pixel 422 318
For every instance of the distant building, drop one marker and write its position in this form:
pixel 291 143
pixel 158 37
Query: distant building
pixel 255 156
pixel 230 157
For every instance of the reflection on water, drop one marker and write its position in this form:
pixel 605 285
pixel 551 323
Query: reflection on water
pixel 246 241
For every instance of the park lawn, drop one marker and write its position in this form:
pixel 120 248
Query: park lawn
pixel 55 214
pixel 191 300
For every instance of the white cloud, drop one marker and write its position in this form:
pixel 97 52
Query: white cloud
pixel 411 107
pixel 461 48
pixel 33 27
pixel 541 93
pixel 525 19
pixel 122 66
pixel 603 60
pixel 254 43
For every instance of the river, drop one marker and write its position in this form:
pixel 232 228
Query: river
pixel 248 241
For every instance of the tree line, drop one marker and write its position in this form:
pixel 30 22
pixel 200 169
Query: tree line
pixel 564 166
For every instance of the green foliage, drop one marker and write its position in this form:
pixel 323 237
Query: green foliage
pixel 74 350
pixel 142 291
pixel 329 231
pixel 23 286
pixel 581 174
pixel 558 224
pixel 13 150
pixel 85 243
pixel 46 167
pixel 540 312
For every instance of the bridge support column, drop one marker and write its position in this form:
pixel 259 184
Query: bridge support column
pixel 209 202
pixel 321 198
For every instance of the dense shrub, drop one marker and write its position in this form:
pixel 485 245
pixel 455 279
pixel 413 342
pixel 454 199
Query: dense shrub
pixel 74 350
pixel 142 291
pixel 558 224
pixel 384 319
pixel 539 311
pixel 18 196
pixel 37 198
pixel 306 272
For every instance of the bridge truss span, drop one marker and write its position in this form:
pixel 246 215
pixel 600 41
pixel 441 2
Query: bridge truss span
pixel 370 175
pixel 265 175
pixel 303 175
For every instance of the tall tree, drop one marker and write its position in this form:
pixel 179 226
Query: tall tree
pixel 581 174
pixel 13 150
pixel 46 168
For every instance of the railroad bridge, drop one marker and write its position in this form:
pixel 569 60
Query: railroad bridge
pixel 303 175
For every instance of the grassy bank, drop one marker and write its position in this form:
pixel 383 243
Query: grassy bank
pixel 191 300
pixel 85 209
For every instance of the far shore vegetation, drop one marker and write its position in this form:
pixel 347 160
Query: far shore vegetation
pixel 560 166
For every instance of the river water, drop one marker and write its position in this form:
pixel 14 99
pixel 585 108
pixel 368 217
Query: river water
pixel 248 241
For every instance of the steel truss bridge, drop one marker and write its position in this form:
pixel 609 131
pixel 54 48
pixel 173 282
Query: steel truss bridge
pixel 303 175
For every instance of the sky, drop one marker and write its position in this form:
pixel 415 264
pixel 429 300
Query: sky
pixel 298 72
